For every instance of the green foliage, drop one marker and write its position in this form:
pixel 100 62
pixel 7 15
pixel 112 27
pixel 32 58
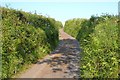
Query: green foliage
pixel 98 38
pixel 26 37
pixel 59 24
pixel 73 26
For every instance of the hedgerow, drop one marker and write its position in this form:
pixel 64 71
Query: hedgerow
pixel 26 37
pixel 98 37
pixel 73 26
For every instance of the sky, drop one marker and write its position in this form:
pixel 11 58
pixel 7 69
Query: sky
pixel 63 10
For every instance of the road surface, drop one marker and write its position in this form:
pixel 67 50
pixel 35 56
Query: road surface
pixel 61 63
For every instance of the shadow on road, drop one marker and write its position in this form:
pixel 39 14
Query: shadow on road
pixel 66 54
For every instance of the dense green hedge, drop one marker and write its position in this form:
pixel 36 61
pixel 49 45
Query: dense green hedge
pixel 26 37
pixel 73 26
pixel 98 37
pixel 59 24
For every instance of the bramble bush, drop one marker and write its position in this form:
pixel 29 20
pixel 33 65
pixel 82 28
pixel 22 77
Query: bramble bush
pixel 26 37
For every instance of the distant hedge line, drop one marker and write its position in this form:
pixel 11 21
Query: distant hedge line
pixel 98 37
pixel 26 37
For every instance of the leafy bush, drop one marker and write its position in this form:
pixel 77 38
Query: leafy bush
pixel 73 26
pixel 26 37
pixel 98 38
pixel 59 24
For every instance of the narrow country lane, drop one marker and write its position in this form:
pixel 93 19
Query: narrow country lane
pixel 61 63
